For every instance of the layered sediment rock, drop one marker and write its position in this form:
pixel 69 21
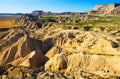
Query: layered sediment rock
pixel 25 52
pixel 57 63
pixel 106 9
pixel 116 10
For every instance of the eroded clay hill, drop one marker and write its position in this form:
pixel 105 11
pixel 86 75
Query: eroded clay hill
pixel 24 51
pixel 76 51
pixel 29 22
pixel 70 52
pixel 64 53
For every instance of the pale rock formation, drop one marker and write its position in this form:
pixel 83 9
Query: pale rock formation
pixel 56 63
pixel 34 59
pixel 83 41
pixel 53 51
pixel 21 52
pixel 16 73
pixel 93 63
pixel 105 9
pixel 116 10
pixel 89 52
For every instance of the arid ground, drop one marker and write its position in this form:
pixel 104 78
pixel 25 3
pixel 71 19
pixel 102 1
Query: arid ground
pixel 61 46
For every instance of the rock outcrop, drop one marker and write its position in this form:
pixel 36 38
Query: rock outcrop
pixel 76 40
pixel 25 52
pixel 57 63
pixel 29 22
pixel 116 10
pixel 106 9
pixel 53 51
pixel 93 63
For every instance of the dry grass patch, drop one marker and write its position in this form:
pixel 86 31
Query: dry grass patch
pixel 8 24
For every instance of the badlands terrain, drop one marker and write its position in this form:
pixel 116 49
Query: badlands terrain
pixel 62 46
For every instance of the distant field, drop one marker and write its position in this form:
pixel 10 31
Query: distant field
pixel 8 22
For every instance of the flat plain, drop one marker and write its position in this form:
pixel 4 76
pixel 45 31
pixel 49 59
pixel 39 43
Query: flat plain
pixel 8 22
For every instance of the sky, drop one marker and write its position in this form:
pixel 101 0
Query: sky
pixel 27 6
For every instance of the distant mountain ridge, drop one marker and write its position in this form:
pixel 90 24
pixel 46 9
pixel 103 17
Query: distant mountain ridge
pixel 40 12
pixel 10 13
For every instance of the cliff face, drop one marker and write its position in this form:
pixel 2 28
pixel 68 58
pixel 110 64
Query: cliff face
pixel 116 10
pixel 105 9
